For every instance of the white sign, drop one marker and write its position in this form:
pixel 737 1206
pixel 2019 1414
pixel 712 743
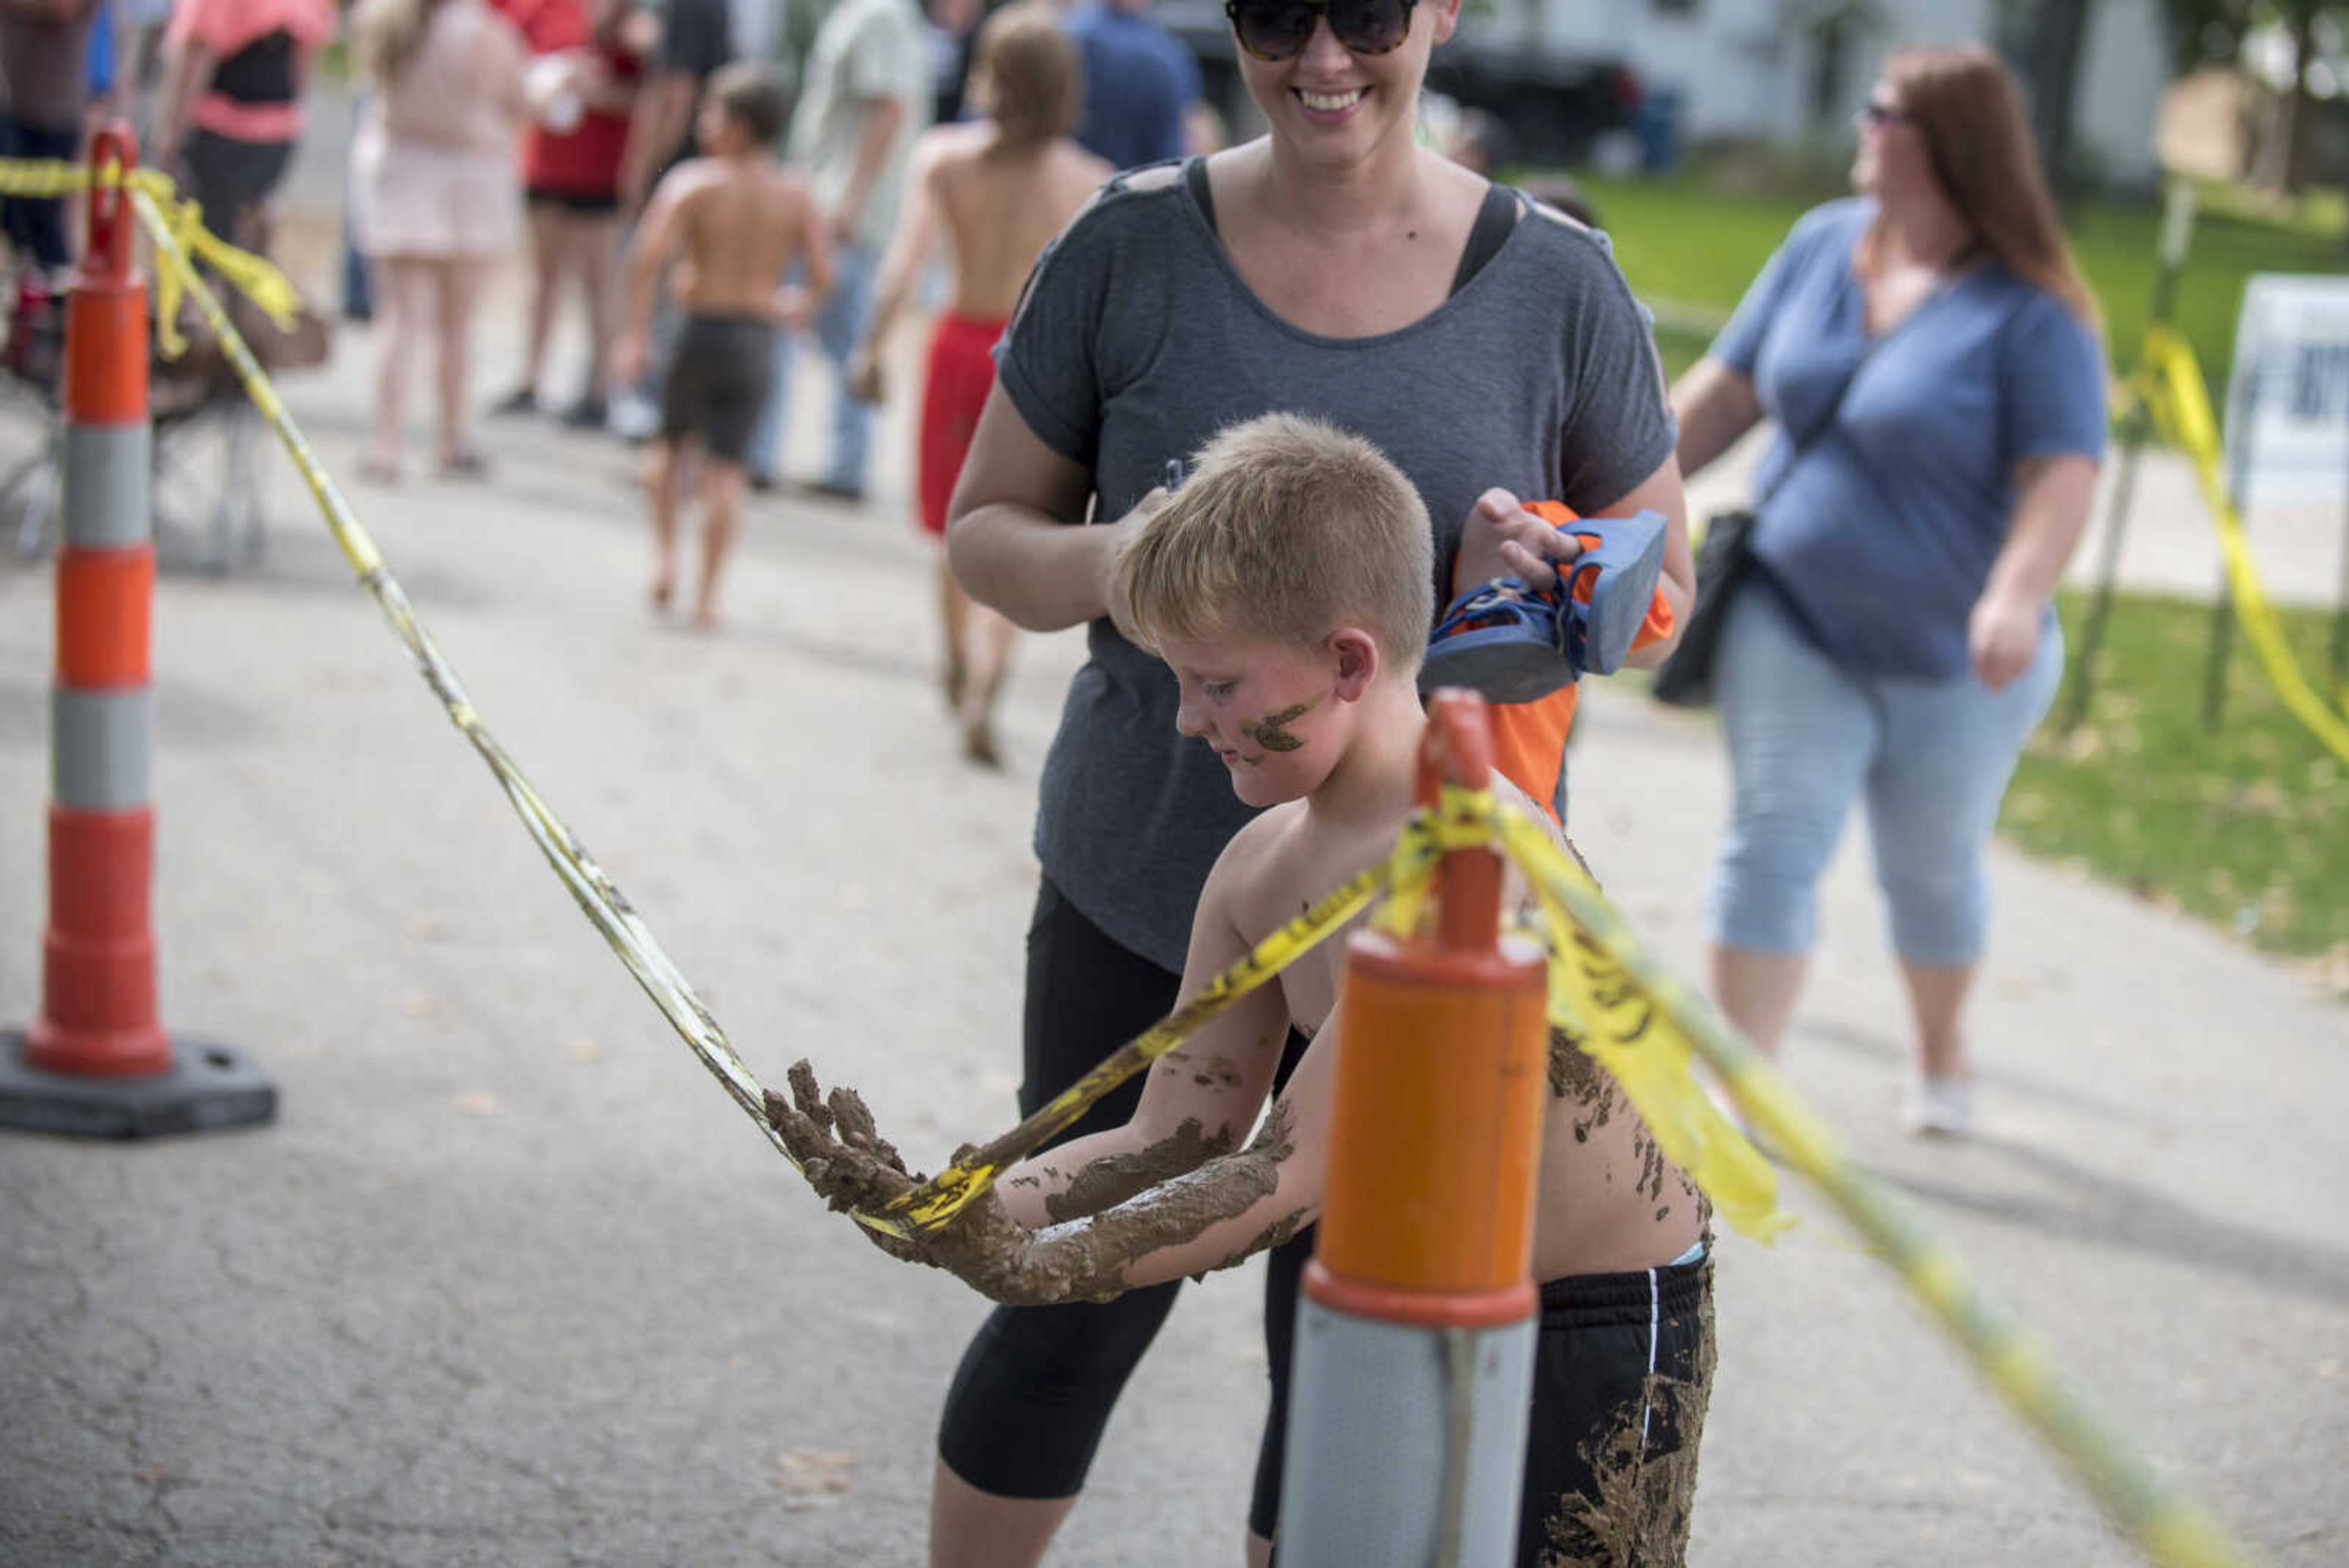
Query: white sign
pixel 2288 395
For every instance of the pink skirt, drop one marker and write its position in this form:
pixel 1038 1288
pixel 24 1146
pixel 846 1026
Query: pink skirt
pixel 413 201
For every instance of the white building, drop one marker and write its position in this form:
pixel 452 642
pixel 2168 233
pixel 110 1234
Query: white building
pixel 1784 70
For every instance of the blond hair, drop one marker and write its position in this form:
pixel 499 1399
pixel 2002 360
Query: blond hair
pixel 1025 73
pixel 1287 529
pixel 386 34
pixel 1965 106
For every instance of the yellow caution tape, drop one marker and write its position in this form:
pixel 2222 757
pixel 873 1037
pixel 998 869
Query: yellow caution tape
pixel 606 908
pixel 2170 1529
pixel 1615 994
pixel 2170 382
pixel 1595 998
pixel 253 277
pixel 947 1194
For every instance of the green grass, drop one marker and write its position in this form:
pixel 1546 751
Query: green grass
pixel 1691 243
pixel 2247 827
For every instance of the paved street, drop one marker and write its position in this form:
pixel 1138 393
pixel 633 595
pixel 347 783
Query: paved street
pixel 512 1280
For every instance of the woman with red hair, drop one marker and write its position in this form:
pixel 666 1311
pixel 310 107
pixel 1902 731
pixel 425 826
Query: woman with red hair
pixel 1933 360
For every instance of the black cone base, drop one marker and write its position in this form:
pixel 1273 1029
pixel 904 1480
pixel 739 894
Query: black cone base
pixel 210 1089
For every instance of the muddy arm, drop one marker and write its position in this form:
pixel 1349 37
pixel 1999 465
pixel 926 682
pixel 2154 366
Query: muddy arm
pixel 1210 1218
pixel 1198 1101
pixel 1218 1215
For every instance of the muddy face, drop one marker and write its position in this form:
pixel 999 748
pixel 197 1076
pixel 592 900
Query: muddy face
pixel 1271 732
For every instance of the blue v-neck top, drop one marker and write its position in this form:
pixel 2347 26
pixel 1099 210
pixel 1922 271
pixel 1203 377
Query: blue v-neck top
pixel 1884 532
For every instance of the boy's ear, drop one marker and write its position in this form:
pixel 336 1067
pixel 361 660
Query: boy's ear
pixel 1359 661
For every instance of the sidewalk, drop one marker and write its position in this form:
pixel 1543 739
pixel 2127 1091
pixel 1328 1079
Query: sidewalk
pixel 512 1282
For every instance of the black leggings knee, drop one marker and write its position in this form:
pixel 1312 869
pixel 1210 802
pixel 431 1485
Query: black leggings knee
pixel 1027 1406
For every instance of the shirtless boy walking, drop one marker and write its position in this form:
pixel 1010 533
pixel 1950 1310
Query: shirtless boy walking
pixel 997 189
pixel 734 220
pixel 1288 586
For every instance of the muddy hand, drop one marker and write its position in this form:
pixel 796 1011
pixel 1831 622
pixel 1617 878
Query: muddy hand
pixel 842 1155
pixel 983 1246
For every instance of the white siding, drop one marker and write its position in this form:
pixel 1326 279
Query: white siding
pixel 2116 103
pixel 1745 68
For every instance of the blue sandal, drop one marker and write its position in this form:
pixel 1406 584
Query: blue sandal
pixel 1515 645
pixel 1623 570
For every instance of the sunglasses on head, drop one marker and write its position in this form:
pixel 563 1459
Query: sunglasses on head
pixel 1277 29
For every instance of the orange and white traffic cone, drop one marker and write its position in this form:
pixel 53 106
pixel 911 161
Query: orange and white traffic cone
pixel 1415 1327
pixel 96 1061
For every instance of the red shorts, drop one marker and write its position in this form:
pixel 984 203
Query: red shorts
pixel 962 372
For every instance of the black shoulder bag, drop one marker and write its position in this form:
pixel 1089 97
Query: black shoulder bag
pixel 1724 557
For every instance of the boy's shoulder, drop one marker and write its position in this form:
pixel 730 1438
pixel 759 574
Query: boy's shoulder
pixel 1260 867
pixel 687 176
pixel 953 140
pixel 1260 841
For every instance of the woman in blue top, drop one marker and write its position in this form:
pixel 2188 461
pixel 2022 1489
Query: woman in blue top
pixel 1897 639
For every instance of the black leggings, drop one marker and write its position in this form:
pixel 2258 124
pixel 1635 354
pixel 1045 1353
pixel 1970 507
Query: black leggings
pixel 1027 1406
pixel 35 225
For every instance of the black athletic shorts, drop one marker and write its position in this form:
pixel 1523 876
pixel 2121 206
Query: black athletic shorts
pixel 718 382
pixel 1622 1371
pixel 585 203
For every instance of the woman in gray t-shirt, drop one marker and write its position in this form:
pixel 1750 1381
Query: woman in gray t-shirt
pixel 1332 267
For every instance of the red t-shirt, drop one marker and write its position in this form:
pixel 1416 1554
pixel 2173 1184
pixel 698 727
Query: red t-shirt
pixel 585 160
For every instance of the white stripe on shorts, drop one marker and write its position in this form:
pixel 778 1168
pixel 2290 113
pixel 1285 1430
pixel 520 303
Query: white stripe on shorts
pixel 1655 1321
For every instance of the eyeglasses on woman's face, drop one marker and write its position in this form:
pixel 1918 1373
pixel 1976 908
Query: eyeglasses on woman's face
pixel 1876 114
pixel 1278 29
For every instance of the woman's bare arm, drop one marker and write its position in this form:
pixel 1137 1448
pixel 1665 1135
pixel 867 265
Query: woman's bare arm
pixel 1714 405
pixel 187 77
pixel 2052 496
pixel 910 245
pixel 1007 533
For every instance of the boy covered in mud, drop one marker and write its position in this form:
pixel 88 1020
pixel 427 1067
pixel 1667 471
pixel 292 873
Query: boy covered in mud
pixel 734 220
pixel 1288 585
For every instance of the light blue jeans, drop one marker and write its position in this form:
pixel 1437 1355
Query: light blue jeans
pixel 1806 738
pixel 838 326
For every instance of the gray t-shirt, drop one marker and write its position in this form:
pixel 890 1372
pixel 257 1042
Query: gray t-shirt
pixel 867 50
pixel 1138 341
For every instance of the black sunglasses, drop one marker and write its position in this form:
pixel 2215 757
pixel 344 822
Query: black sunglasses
pixel 1277 29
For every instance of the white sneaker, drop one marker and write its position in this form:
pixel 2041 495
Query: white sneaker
pixel 632 416
pixel 1942 1108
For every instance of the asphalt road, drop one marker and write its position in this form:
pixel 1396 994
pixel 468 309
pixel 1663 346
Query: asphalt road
pixel 512 1280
